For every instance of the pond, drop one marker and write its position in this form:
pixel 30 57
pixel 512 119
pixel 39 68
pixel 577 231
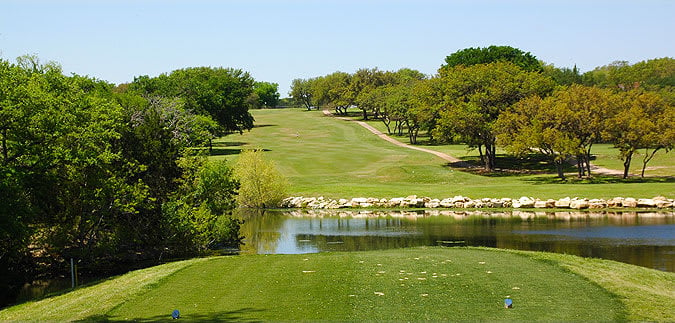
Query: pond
pixel 641 238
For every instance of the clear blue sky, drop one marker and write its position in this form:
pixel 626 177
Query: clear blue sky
pixel 278 41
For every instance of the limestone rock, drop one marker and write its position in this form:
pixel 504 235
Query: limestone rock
pixel 563 203
pixel 629 202
pixel 579 204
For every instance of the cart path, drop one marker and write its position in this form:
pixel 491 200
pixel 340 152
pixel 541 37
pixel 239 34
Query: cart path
pixel 455 161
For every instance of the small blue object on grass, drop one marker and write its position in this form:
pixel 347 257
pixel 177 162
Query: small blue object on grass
pixel 508 303
pixel 175 315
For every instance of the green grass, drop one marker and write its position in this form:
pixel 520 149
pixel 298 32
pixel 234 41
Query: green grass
pixel 427 283
pixel 323 156
pixel 663 163
pixel 93 301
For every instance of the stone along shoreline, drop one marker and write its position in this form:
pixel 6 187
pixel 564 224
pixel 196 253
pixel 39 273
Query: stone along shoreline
pixel 463 202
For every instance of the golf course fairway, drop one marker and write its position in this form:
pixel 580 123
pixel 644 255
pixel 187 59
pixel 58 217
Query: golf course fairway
pixel 425 283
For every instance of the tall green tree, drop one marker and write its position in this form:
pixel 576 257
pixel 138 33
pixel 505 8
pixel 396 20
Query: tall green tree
pixel 266 94
pixel 644 121
pixel 301 92
pixel 562 126
pixel 475 96
pixel 474 56
pixel 333 91
pixel 363 81
pixel 221 93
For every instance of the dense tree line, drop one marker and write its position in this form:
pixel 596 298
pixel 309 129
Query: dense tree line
pixel 113 175
pixel 499 95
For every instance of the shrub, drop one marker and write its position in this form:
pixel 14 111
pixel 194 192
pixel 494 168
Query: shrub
pixel 261 184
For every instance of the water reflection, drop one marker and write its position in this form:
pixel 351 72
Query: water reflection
pixel 641 238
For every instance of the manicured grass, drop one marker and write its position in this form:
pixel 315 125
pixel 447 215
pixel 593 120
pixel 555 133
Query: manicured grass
pixel 648 295
pixel 324 156
pixel 94 301
pixel 427 283
pixel 663 163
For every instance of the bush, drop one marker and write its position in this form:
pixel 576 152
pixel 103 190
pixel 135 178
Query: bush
pixel 261 184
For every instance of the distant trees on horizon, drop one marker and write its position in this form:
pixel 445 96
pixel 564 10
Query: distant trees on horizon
pixel 499 95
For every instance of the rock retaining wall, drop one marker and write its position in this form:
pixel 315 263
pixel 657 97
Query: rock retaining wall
pixel 462 202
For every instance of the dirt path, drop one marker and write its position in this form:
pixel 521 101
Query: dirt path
pixel 456 161
pixel 605 171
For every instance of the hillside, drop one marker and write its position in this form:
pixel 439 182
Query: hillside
pixel 324 156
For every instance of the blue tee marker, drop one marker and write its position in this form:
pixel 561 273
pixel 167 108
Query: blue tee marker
pixel 508 303
pixel 175 314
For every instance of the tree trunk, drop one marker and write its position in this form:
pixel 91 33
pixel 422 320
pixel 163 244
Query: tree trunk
pixel 489 157
pixel 580 166
pixel 412 134
pixel 365 114
pixel 386 122
pixel 480 154
pixel 588 160
pixel 647 158
pixel 560 166
pixel 626 164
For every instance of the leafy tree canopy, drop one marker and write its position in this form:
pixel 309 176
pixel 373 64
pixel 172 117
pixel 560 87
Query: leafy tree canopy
pixel 266 94
pixel 221 93
pixel 473 56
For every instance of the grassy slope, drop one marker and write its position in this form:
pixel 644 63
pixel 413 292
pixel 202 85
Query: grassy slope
pixel 648 294
pixel 415 284
pixel 89 302
pixel 324 156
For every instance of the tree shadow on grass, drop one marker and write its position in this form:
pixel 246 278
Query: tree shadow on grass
pixel 229 143
pixel 222 148
pixel 509 166
pixel 264 125
pixel 241 315
pixel 216 151
pixel 598 179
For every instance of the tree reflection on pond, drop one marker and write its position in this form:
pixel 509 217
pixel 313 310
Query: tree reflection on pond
pixel 640 238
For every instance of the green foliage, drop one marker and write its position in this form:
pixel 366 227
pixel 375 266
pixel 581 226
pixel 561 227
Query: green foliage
pixel 643 121
pixel 221 93
pixel 475 96
pixel 563 125
pixel 262 185
pixel 474 56
pixel 563 76
pixel 266 94
pixel 653 75
pixel 301 92
pixel 93 174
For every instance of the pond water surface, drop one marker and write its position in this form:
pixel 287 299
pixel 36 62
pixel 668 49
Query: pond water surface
pixel 641 238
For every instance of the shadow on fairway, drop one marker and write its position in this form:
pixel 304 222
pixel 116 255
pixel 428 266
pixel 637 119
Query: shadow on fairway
pixel 511 166
pixel 598 179
pixel 223 148
pixel 241 315
pixel 264 125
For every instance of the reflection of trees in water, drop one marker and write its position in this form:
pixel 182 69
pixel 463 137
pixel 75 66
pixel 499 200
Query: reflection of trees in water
pixel 260 229
pixel 375 230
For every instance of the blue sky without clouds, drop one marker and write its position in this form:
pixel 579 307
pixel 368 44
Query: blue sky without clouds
pixel 278 41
